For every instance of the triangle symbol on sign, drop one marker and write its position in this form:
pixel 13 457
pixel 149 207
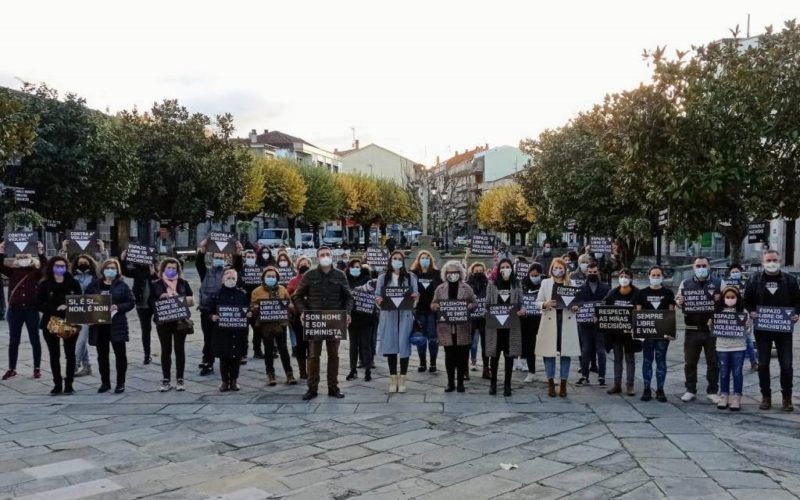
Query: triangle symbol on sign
pixel 424 284
pixel 505 294
pixel 501 318
pixel 397 301
pixel 21 245
pixel 82 244
pixel 221 243
pixel 655 303
pixel 567 300
pixel 789 313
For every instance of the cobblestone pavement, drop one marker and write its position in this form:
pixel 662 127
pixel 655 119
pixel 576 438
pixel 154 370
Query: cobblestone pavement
pixel 265 442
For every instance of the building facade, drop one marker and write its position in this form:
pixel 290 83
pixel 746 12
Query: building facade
pixel 377 161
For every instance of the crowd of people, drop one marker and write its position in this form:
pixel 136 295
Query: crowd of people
pixel 39 287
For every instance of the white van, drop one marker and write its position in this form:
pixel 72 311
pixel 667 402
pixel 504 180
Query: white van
pixel 274 237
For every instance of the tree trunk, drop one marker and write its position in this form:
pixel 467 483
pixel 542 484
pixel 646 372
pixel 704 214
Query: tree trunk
pixel 383 229
pixel 292 223
pixel 735 236
pixel 367 234
pixel 315 229
pixel 123 232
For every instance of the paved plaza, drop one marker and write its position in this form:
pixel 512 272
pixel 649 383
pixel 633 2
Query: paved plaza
pixel 264 442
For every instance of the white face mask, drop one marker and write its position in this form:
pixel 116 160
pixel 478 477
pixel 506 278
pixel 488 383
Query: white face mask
pixel 584 266
pixel 283 263
pixel 730 302
pixel 558 272
pixel 453 277
pixel 230 282
pixel 505 272
pixel 624 281
pixel 326 261
pixel 772 267
pixel 250 261
pixel 656 281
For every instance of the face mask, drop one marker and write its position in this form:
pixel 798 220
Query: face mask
pixel 218 262
pixel 624 281
pixel 772 267
pixel 24 262
pixel 325 261
pixel 546 250
pixel 730 302
pixel 265 256
pixel 505 272
pixel 303 269
pixel 572 266
pixel 110 273
pixel 283 263
pixel 592 278
pixel 736 276
pixel 558 272
pixel 84 268
pixel 397 264
pixel 425 262
pixel 355 272
pixel 584 266
pixel 270 281
pixel 59 270
pixel 598 255
pixel 701 273
pixel 536 280
pixel 171 273
pixel 250 261
pixel 230 282
pixel 656 281
pixel 453 277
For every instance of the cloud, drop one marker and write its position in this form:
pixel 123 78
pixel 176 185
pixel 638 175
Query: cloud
pixel 248 107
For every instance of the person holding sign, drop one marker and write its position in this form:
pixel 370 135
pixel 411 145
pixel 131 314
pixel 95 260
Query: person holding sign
pixel 591 339
pixel 503 291
pixel 529 324
pixel 360 328
pixel 428 277
pixel 454 337
pixel 229 343
pixel 655 297
pixel 731 353
pixel 143 275
pixel 302 264
pixel 52 299
pixel 478 281
pixel 735 277
pixel 251 278
pixel 84 270
pixel 624 345
pixel 116 333
pixel 773 288
pixel 24 273
pixel 171 334
pixel 272 333
pixel 394 326
pixel 558 330
pixel 697 296
pixel 323 289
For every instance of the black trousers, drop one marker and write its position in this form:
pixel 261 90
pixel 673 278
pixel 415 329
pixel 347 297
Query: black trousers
pixel 698 341
pixel 208 333
pixel 229 369
pixel 456 363
pixel 301 348
pixel 270 340
pixel 783 346
pixel 169 337
pixel 391 359
pixel 502 346
pixel 146 320
pixel 54 347
pixel 104 346
pixel 360 345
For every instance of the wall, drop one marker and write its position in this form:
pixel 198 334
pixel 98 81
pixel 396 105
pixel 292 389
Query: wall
pixel 502 161
pixel 377 161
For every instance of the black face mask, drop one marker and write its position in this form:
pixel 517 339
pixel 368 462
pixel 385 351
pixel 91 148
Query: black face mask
pixel 592 278
pixel 303 269
pixel 83 268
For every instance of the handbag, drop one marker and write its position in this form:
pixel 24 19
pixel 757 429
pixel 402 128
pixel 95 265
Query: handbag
pixel 61 329
pixel 184 326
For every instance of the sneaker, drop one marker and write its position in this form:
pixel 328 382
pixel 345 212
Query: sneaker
pixel 474 366
pixel 601 382
pixel 528 378
pixel 85 370
pixel 716 399
pixel 165 386
pixel 206 370
pixel 119 389
pixel 523 365
pixel 582 381
pixel 147 360
pixel 517 365
pixel 9 374
pixel 37 373
pixel 688 396
pixel 179 386
pixel 432 369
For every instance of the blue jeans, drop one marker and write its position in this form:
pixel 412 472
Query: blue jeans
pixel 550 367
pixel 655 348
pixel 730 362
pixel 16 318
pixel 592 345
pixel 750 349
pixel 82 347
pixel 428 321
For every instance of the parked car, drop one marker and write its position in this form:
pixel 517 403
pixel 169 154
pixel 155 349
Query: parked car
pixel 274 237
pixel 333 238
pixel 307 240
pixel 461 241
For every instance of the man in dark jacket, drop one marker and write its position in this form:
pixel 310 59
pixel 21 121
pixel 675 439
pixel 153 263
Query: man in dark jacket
pixel 777 289
pixel 698 334
pixel 591 339
pixel 324 288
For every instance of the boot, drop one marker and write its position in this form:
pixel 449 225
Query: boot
pixel 301 368
pixel 57 388
pixel 563 389
pixel 271 380
pixel 290 380
pixel 647 394
pixel 787 404
pixel 766 401
pixel 460 386
pixel 392 383
pixel 224 386
pixel 723 402
pixel 423 364
pixel 736 402
pixel 662 398
pixel 401 383
pixel 551 388
pixel 507 389
pixel 616 389
pixel 234 385
pixel 68 390
pixel 352 375
pixel 451 386
pixel 367 375
pixel 493 387
pixel 629 390
pixel 487 374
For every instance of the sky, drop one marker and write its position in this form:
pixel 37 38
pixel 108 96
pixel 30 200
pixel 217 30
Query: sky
pixel 426 79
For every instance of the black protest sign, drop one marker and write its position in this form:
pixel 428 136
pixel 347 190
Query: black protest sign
pixel 53 224
pixel 729 324
pixel 396 297
pixel 24 196
pixel 587 314
pixel 601 243
pixel 232 317
pixel 663 217
pixel 775 319
pixel 170 310
pixel 140 254
pixel 251 275
pixel 376 257
pixel 220 242
pixel 363 302
pixel 21 242
pixel 209 214
pixel 521 270
pixel 273 310
pixel 285 274
pixel 758 231
pixel 480 309
pixel 654 324
pixel 88 309
pixel 566 296
pixel 82 241
pixel 324 325
pixel 501 316
pixel 698 301
pixel 728 282
pixel 453 311
pixel 482 244
pixel 572 225
pixel 615 320
pixel 530 304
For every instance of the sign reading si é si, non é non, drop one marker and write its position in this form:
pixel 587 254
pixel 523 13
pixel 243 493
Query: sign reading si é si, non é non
pixel 453 311
pixel 88 309
pixel 615 320
pixel 324 325
pixel 482 244
pixel 140 254
pixel 775 319
pixel 654 324
pixel 273 310
pixel 171 309
pixel 729 324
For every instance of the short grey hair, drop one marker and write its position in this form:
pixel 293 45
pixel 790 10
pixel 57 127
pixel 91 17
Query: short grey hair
pixel 769 251
pixel 450 264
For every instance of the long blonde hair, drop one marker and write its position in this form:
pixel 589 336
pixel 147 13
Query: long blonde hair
pixel 563 263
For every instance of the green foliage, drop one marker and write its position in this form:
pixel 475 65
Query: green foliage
pixel 17 128
pixel 324 199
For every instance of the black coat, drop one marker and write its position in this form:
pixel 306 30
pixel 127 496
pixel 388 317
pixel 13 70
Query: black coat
pixel 360 319
pixel 141 280
pixel 229 342
pixel 51 295
pixel 122 297
pixel 319 291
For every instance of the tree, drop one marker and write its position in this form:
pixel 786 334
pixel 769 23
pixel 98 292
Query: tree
pixel 360 195
pixel 255 189
pixel 324 200
pixel 286 189
pixel 505 209
pixel 394 204
pixel 17 128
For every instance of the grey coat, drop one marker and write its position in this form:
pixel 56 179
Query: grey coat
pixel 394 327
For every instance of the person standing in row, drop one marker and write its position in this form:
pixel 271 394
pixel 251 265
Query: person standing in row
pixel 735 277
pixel 229 344
pixel 56 284
pixel 303 264
pixel 503 291
pixel 592 341
pixel 272 333
pixel 529 324
pixel 84 270
pixel 655 297
pixel 360 329
pixel 623 345
pixel 143 275
pixel 428 277
pixel 171 335
pixel 731 352
pixel 478 281
pixel 323 289
pixel 455 338
pixel 250 277
pixel 558 330
pixel 773 287
pixel 394 326
pixel 113 335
